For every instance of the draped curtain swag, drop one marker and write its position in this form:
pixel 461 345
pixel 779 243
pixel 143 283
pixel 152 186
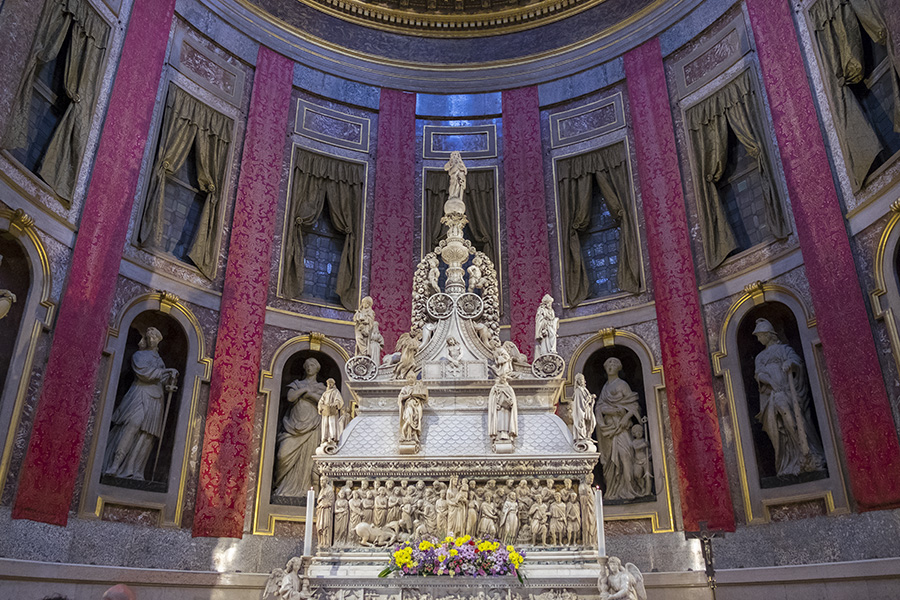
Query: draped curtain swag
pixel 319 178
pixel 83 71
pixel 575 176
pixel 735 106
pixel 479 199
pixel 187 124
pixel 838 36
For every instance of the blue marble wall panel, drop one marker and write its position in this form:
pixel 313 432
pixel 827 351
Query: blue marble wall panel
pixel 458 105
pixel 478 141
pixel 332 126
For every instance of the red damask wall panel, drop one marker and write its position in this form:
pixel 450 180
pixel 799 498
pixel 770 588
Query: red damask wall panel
pixel 393 257
pixel 50 469
pixel 224 464
pixel 692 407
pixel 526 213
pixel 870 442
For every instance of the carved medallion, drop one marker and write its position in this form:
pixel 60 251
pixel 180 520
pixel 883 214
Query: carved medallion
pixel 469 306
pixel 361 368
pixel 440 306
pixel 548 366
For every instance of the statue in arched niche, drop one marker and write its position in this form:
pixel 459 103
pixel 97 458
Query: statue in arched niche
pixel 784 405
pixel 138 421
pixel 618 411
pixel 297 442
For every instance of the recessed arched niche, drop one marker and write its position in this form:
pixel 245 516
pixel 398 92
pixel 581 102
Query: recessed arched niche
pixel 629 434
pixel 886 295
pixel 25 286
pixel 292 387
pixel 783 433
pixel 157 364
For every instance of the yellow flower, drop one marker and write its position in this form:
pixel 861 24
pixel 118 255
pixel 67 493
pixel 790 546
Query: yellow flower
pixel 454 552
pixel 425 545
pixel 463 539
pixel 510 549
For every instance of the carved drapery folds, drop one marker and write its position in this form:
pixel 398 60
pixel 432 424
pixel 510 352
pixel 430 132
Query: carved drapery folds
pixel 575 178
pixel 737 108
pixel 88 34
pixel 318 179
pixel 188 125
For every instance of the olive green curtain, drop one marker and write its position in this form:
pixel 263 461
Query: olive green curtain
pixel 83 71
pixel 838 36
pixel 575 177
pixel 187 124
pixel 319 178
pixel 735 106
pixel 480 209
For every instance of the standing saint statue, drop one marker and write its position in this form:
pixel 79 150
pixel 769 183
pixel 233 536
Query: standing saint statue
pixel 297 442
pixel 584 422
pixel 411 401
pixel 324 513
pixel 618 409
pixel 407 348
pixel 330 406
pixel 784 405
pixel 138 420
pixel 458 171
pixel 503 414
pixel 546 324
pixel 369 340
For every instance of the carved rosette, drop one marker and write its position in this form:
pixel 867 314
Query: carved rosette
pixel 440 306
pixel 548 366
pixel 469 306
pixel 361 368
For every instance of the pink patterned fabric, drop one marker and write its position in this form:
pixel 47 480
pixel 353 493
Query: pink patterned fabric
pixel 48 475
pixel 526 213
pixel 224 464
pixel 692 407
pixel 393 255
pixel 870 441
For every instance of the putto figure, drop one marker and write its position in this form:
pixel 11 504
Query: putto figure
pixel 546 324
pixel 458 171
pixel 621 583
pixel 330 406
pixel 369 340
pixel 784 405
pixel 139 419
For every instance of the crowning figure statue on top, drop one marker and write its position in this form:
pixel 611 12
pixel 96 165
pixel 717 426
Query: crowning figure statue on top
pixel 458 171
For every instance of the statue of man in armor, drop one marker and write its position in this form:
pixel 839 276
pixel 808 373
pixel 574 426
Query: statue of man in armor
pixel 138 420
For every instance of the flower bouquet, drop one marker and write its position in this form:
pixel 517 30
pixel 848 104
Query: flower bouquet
pixel 455 556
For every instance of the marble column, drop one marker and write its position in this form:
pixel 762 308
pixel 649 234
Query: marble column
pixel 528 255
pixel 871 450
pixel 50 469
pixel 703 481
pixel 393 255
pixel 227 441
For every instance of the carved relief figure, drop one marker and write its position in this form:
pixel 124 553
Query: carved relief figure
pixel 476 279
pixel 458 171
pixel 618 409
pixel 381 504
pixel 584 422
pixel 573 518
pixel 356 514
pixel 503 364
pixel 369 340
pixel 330 406
pixel 517 357
pixel 487 526
pixel 784 405
pixel 341 517
pixel 588 516
pixel 411 401
pixel 509 519
pixel 503 414
pixel 457 505
pixel 546 324
pixel 557 520
pixel 621 583
pixel 297 443
pixel 324 515
pixel 434 274
pixel 139 420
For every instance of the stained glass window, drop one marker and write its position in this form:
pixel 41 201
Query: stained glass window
pixel 600 248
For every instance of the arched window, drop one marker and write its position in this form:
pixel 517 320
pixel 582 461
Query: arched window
pixel 15 282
